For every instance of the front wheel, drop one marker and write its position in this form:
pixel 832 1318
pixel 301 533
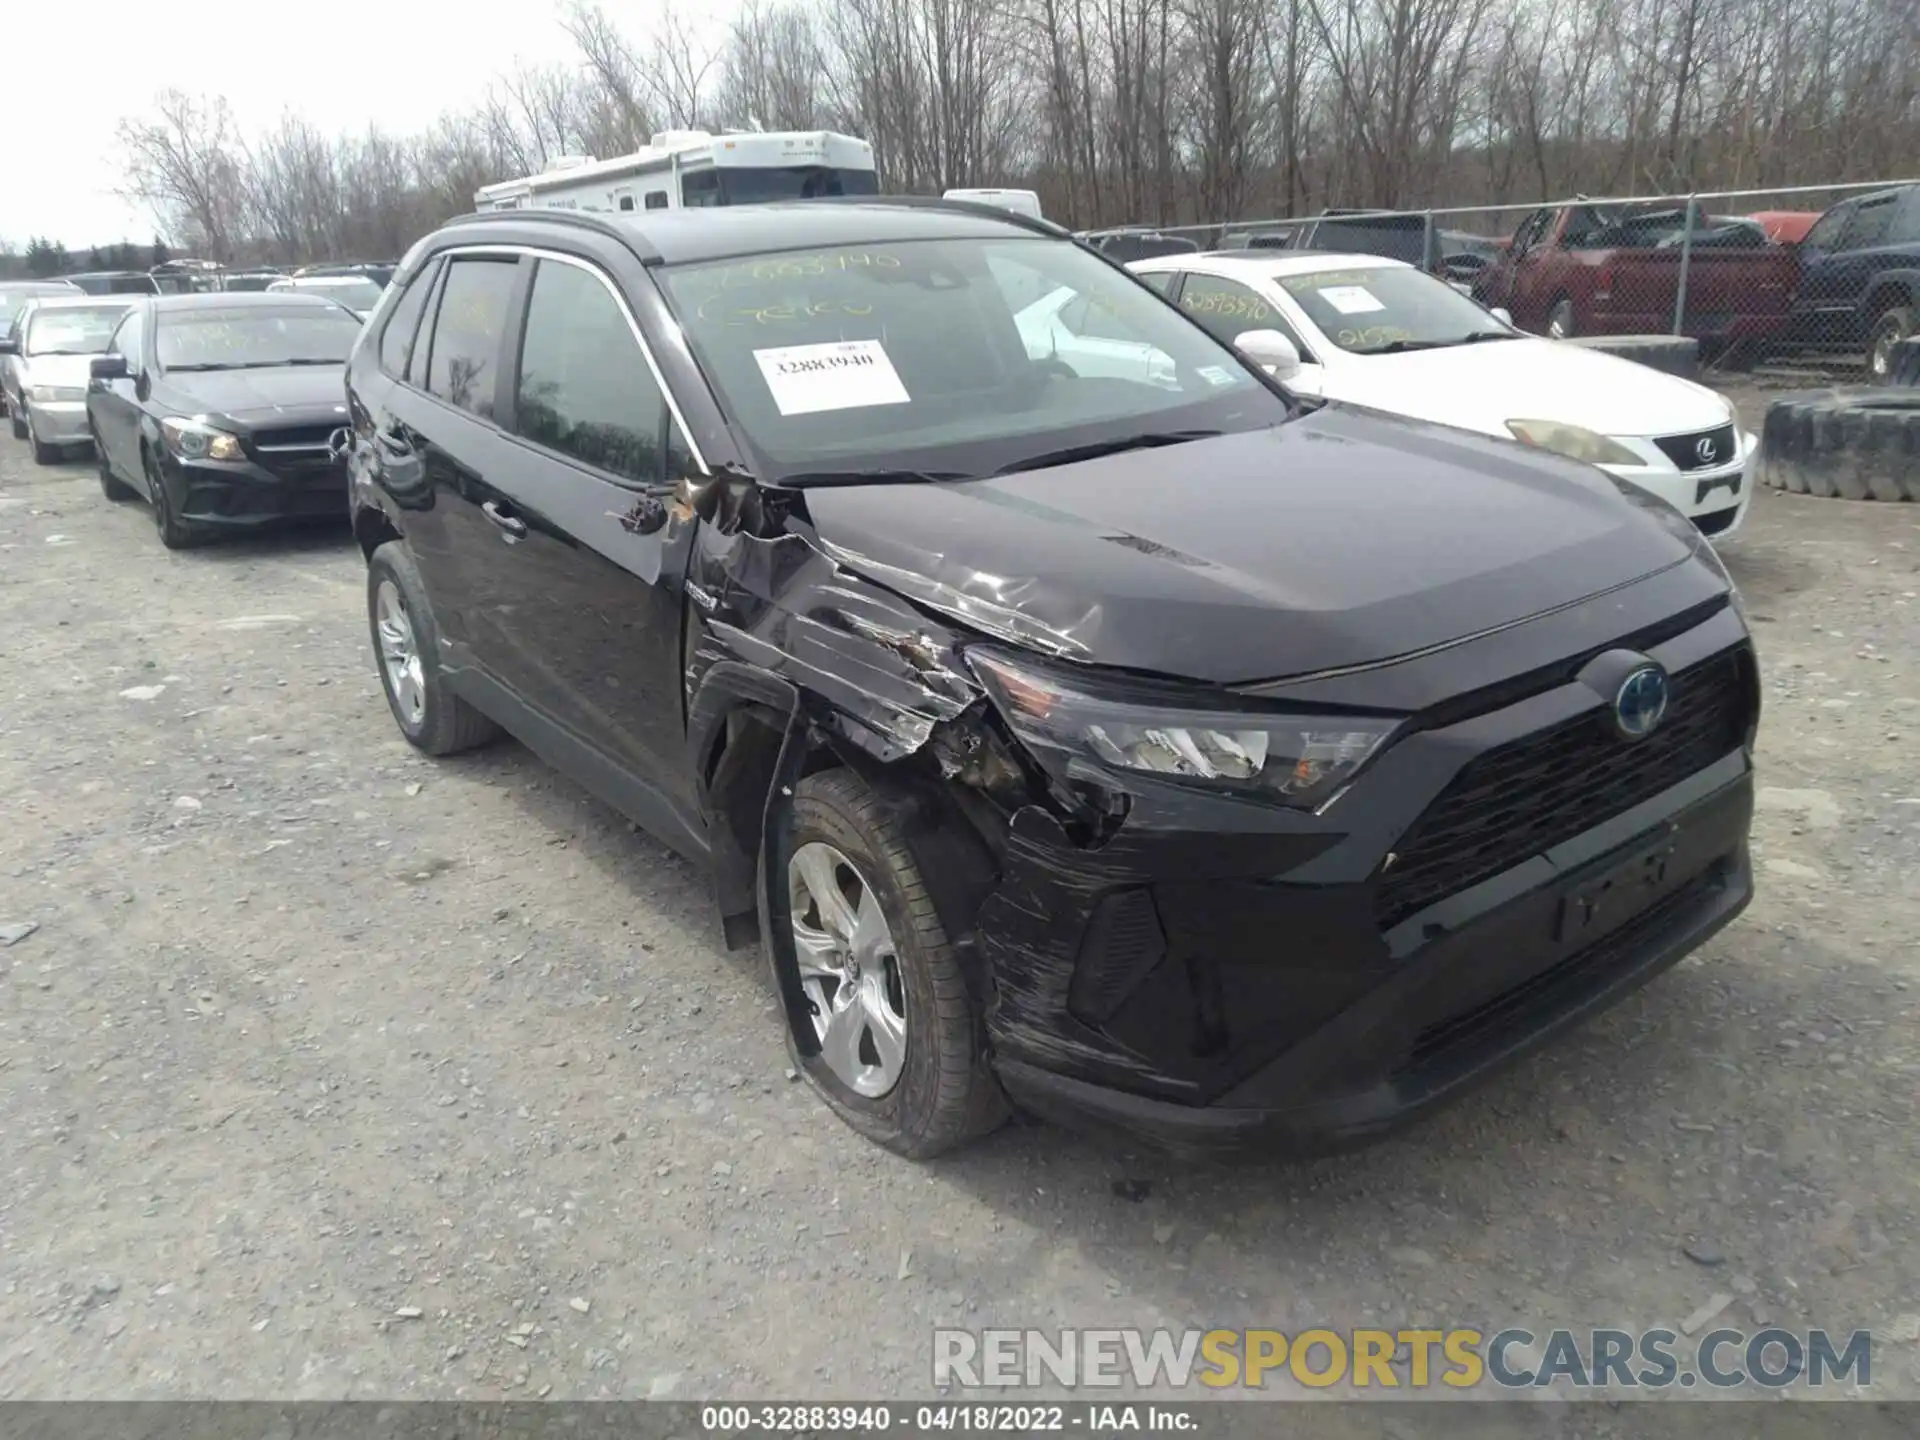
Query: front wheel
pixel 1893 326
pixel 175 533
pixel 894 1042
pixel 19 421
pixel 407 649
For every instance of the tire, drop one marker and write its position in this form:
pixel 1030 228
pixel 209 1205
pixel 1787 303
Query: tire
pixel 1670 354
pixel 945 1094
pixel 1560 324
pixel 175 534
pixel 111 485
pixel 19 425
pixel 1848 444
pixel 442 723
pixel 42 454
pixel 1891 327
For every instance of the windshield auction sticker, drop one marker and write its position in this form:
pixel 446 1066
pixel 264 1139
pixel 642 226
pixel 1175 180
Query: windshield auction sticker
pixel 1351 299
pixel 843 375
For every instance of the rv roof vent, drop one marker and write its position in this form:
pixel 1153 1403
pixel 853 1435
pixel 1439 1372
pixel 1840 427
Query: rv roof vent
pixel 678 139
pixel 567 162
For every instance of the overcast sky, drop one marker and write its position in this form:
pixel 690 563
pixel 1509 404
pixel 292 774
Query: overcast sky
pixel 72 72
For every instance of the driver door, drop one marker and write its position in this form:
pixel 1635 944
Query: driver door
pixel 113 406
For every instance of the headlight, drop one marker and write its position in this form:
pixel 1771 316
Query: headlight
pixel 1298 760
pixel 1573 442
pixel 191 440
pixel 54 394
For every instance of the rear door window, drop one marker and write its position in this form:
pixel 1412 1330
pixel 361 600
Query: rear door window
pixel 585 388
pixel 463 366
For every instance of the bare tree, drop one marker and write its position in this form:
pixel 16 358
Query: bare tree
pixel 183 162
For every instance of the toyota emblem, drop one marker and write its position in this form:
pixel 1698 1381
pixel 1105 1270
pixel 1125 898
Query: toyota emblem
pixel 1705 450
pixel 339 443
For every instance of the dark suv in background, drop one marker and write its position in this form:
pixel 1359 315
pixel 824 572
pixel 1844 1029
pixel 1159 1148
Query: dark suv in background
pixel 1150 750
pixel 1860 278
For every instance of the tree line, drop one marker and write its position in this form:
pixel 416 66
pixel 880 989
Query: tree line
pixel 1115 111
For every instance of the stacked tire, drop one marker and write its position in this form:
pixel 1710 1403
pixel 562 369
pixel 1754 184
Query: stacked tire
pixel 1849 444
pixel 1673 354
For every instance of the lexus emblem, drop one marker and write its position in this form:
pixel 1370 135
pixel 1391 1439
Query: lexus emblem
pixel 339 443
pixel 1706 450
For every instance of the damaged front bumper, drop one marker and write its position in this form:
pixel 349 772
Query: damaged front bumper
pixel 1219 974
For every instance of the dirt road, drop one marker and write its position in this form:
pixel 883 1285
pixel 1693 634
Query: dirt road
pixel 330 1071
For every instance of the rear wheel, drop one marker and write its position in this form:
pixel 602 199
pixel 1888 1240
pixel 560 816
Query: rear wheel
pixel 1560 320
pixel 407 649
pixel 111 485
pixel 895 1045
pixel 1893 325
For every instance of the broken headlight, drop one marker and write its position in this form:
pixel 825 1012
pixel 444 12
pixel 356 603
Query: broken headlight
pixel 1296 759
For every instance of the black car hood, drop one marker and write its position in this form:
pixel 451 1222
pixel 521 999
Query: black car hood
pixel 1343 538
pixel 244 400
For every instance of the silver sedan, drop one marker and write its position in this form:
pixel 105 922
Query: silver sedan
pixel 45 364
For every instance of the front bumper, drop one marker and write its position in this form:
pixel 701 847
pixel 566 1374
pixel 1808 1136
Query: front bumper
pixel 1715 499
pixel 58 422
pixel 237 494
pixel 1252 983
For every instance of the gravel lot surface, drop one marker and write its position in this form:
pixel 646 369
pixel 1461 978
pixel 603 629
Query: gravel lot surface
pixel 331 1071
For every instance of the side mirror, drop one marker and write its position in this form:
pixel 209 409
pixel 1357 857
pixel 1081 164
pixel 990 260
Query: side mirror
pixel 108 367
pixel 9 346
pixel 1502 314
pixel 1270 349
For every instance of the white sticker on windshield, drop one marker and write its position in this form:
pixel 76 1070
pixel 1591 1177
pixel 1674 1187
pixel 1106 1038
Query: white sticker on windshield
pixel 1214 375
pixel 1350 299
pixel 843 375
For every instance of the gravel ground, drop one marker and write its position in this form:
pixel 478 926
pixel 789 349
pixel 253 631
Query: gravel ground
pixel 334 1072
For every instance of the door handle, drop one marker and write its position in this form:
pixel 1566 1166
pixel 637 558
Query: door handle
pixel 511 526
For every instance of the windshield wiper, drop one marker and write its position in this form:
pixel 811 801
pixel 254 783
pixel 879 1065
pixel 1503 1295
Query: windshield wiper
pixel 39 353
pixel 203 365
pixel 825 479
pixel 303 360
pixel 1472 337
pixel 1073 454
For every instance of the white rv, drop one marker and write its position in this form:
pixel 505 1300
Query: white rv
pixel 684 168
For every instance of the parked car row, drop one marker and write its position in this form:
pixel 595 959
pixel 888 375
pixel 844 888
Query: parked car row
pixel 1080 717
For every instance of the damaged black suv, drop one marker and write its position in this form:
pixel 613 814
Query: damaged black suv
pixel 1088 728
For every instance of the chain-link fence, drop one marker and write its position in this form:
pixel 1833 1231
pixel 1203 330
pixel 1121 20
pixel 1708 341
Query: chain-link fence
pixel 1819 279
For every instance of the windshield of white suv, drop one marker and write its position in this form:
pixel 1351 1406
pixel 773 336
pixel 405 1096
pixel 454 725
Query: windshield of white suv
pixel 953 358
pixel 71 330
pixel 1387 310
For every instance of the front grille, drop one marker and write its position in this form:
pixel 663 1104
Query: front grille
pixel 1686 452
pixel 1531 794
pixel 294 437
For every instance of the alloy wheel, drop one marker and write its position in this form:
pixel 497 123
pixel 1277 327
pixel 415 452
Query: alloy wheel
pixel 400 654
pixel 849 969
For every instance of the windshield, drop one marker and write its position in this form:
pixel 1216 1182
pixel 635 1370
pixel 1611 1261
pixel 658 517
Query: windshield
pixel 952 357
pixel 75 330
pixel 756 186
pixel 253 337
pixel 1387 308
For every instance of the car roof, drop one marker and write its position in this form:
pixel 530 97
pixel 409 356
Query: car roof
pixel 237 300
pixel 40 287
pixel 722 232
pixel 80 302
pixel 1270 264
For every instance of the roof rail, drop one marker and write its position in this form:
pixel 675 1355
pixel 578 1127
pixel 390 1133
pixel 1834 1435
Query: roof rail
pixel 630 236
pixel 958 207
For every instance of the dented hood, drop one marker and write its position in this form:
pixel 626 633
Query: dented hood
pixel 1340 539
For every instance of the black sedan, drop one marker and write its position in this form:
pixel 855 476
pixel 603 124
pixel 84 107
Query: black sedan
pixel 225 411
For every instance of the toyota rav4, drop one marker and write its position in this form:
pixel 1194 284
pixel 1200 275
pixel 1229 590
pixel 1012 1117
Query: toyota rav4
pixel 1133 743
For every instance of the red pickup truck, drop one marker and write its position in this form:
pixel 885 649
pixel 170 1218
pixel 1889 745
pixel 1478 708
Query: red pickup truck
pixel 1597 269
